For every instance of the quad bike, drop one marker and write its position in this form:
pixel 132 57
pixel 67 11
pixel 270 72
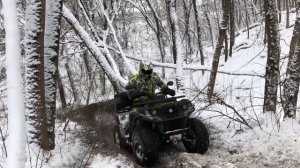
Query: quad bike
pixel 144 125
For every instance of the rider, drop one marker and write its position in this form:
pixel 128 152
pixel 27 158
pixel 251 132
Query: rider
pixel 146 80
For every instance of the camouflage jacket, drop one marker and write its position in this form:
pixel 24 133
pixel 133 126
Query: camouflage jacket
pixel 138 83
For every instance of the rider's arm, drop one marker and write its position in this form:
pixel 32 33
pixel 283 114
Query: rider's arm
pixel 158 81
pixel 131 85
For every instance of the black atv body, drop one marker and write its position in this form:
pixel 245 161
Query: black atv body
pixel 145 125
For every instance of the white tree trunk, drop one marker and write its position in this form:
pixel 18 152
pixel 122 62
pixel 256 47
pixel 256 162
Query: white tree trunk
pixel 125 60
pixel 171 4
pixel 15 98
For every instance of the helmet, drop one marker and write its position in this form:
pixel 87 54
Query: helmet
pixel 146 68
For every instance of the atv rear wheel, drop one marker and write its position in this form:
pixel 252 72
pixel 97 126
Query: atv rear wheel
pixel 145 146
pixel 119 140
pixel 197 137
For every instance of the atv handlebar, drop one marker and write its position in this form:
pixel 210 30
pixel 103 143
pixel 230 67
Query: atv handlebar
pixel 165 90
pixel 157 101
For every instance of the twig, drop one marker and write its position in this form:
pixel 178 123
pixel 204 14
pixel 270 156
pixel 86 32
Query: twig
pixel 3 141
pixel 235 111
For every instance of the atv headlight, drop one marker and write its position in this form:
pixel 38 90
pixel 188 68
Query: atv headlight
pixel 184 107
pixel 147 113
pixel 154 112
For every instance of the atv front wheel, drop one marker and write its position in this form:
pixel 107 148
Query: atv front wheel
pixel 119 140
pixel 197 137
pixel 145 146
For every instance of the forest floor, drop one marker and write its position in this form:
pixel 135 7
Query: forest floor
pixel 243 148
pixel 232 144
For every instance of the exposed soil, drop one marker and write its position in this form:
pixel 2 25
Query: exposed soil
pixel 99 120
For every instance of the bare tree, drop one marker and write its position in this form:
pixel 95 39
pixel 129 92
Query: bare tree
pixel 34 73
pixel 52 37
pixel 15 101
pixel 247 18
pixel 292 81
pixel 199 39
pixel 222 34
pixel 176 46
pixel 287 3
pixel 207 13
pixel 116 80
pixel 187 13
pixel 232 27
pixel 279 10
pixel 272 67
pixel 159 33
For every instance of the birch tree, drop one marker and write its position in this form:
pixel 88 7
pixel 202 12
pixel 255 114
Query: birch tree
pixel 117 81
pixel 15 98
pixel 272 67
pixel 292 81
pixel 176 46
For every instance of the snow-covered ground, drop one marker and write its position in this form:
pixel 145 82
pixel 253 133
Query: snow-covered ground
pixel 233 144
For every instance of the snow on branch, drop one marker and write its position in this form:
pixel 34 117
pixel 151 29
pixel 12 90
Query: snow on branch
pixel 197 67
pixel 109 22
pixel 96 53
pixel 69 16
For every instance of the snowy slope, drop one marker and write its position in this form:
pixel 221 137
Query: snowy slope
pixel 234 144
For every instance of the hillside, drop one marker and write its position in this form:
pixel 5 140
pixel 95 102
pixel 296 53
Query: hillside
pixel 240 134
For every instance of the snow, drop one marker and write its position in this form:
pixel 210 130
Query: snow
pixel 93 47
pixel 268 144
pixel 109 22
pixel 109 162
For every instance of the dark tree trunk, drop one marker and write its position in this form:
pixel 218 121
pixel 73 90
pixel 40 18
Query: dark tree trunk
pixel 291 84
pixel 206 13
pixel 52 38
pixel 35 83
pixel 72 83
pixel 279 10
pixel 187 30
pixel 272 67
pixel 247 19
pixel 199 38
pixel 221 39
pixel 287 14
pixel 61 91
pixel 232 27
pixel 173 31
pixel 102 82
pixel 159 36
pixel 226 47
pixel 87 65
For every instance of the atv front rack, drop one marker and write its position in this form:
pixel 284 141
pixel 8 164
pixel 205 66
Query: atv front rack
pixel 157 101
